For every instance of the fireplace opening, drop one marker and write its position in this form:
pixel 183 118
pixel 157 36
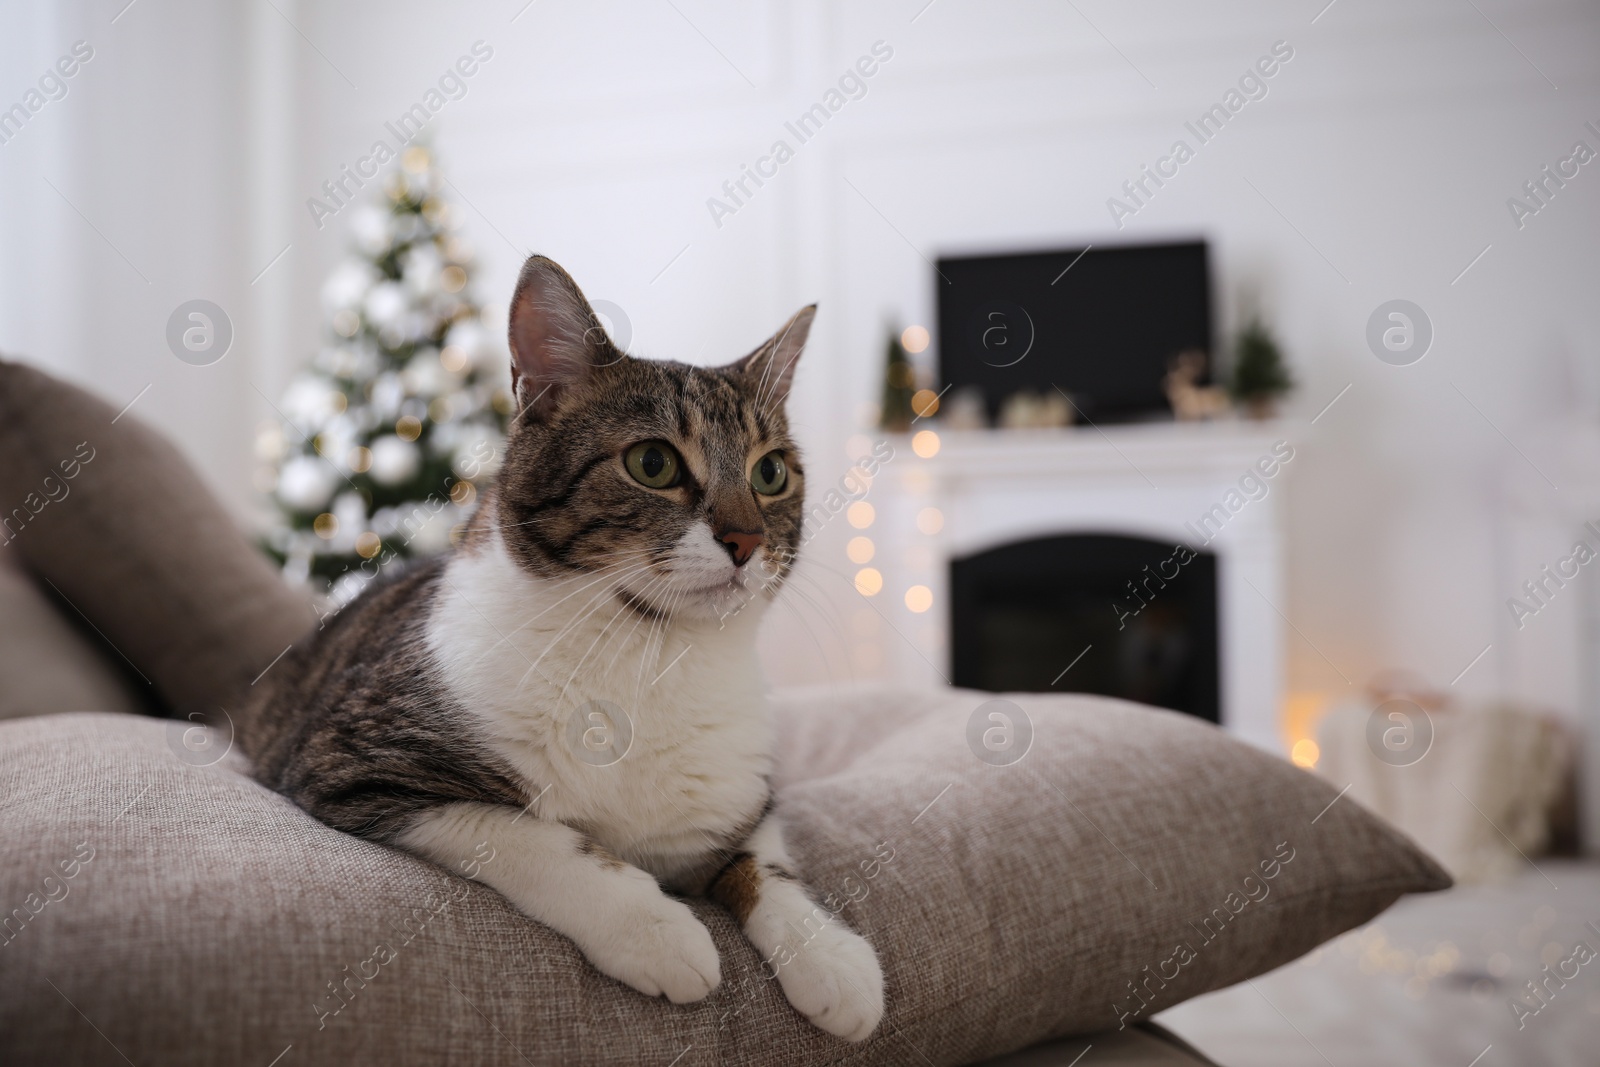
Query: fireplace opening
pixel 1023 614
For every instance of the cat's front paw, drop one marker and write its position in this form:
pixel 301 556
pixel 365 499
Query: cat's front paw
pixel 835 981
pixel 659 948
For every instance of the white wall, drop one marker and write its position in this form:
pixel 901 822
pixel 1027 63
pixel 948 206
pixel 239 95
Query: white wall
pixel 1380 162
pixel 124 199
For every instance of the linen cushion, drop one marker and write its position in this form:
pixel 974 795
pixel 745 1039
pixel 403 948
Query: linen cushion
pixel 110 513
pixel 1143 1045
pixel 215 922
pixel 46 663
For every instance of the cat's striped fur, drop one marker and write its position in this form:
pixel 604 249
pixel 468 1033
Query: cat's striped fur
pixel 453 711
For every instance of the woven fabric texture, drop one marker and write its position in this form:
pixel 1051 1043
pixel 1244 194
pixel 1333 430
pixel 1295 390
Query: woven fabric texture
pixel 214 922
pixel 105 510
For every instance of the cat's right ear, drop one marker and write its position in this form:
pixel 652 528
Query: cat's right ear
pixel 556 339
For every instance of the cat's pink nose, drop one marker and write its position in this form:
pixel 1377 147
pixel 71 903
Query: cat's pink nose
pixel 741 546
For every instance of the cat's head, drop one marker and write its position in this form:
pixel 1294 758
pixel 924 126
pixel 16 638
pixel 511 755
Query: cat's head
pixel 673 488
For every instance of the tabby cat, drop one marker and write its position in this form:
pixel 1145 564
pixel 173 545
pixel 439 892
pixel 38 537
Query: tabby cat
pixel 570 702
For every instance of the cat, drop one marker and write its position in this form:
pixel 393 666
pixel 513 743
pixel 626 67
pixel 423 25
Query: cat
pixel 569 704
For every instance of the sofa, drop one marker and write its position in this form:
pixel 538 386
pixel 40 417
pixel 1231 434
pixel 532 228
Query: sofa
pixel 161 905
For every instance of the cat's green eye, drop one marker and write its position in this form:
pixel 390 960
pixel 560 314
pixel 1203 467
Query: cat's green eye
pixel 654 464
pixel 769 475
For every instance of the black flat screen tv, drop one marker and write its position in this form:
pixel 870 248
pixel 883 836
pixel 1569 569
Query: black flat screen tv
pixel 1102 324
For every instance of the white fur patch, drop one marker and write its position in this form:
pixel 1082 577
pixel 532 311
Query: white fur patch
pixel 528 656
pixel 828 972
pixel 620 918
pixel 681 760
pixel 702 579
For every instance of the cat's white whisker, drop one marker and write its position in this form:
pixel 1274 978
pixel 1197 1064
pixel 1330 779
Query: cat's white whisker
pixel 610 571
pixel 805 624
pixel 595 578
pixel 612 584
pixel 656 632
pixel 621 610
pixel 661 638
pixel 571 626
pixel 639 619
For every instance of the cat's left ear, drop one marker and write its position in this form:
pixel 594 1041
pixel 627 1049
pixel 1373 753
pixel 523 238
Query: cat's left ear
pixel 771 366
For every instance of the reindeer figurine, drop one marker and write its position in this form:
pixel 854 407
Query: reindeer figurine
pixel 1191 402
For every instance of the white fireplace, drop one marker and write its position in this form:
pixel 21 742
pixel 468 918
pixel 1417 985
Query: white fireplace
pixel 1213 485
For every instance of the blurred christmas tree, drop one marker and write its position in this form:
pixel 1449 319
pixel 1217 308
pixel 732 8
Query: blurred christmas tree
pixel 899 385
pixel 1259 374
pixel 390 433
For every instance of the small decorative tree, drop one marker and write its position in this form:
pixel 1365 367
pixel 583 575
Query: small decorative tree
pixel 899 385
pixel 1259 374
pixel 385 439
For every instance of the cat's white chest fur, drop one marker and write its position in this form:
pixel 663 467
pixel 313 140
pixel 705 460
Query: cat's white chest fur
pixel 650 735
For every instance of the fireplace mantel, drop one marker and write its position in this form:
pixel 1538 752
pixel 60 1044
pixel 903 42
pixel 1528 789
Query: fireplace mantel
pixel 1181 451
pixel 1147 480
